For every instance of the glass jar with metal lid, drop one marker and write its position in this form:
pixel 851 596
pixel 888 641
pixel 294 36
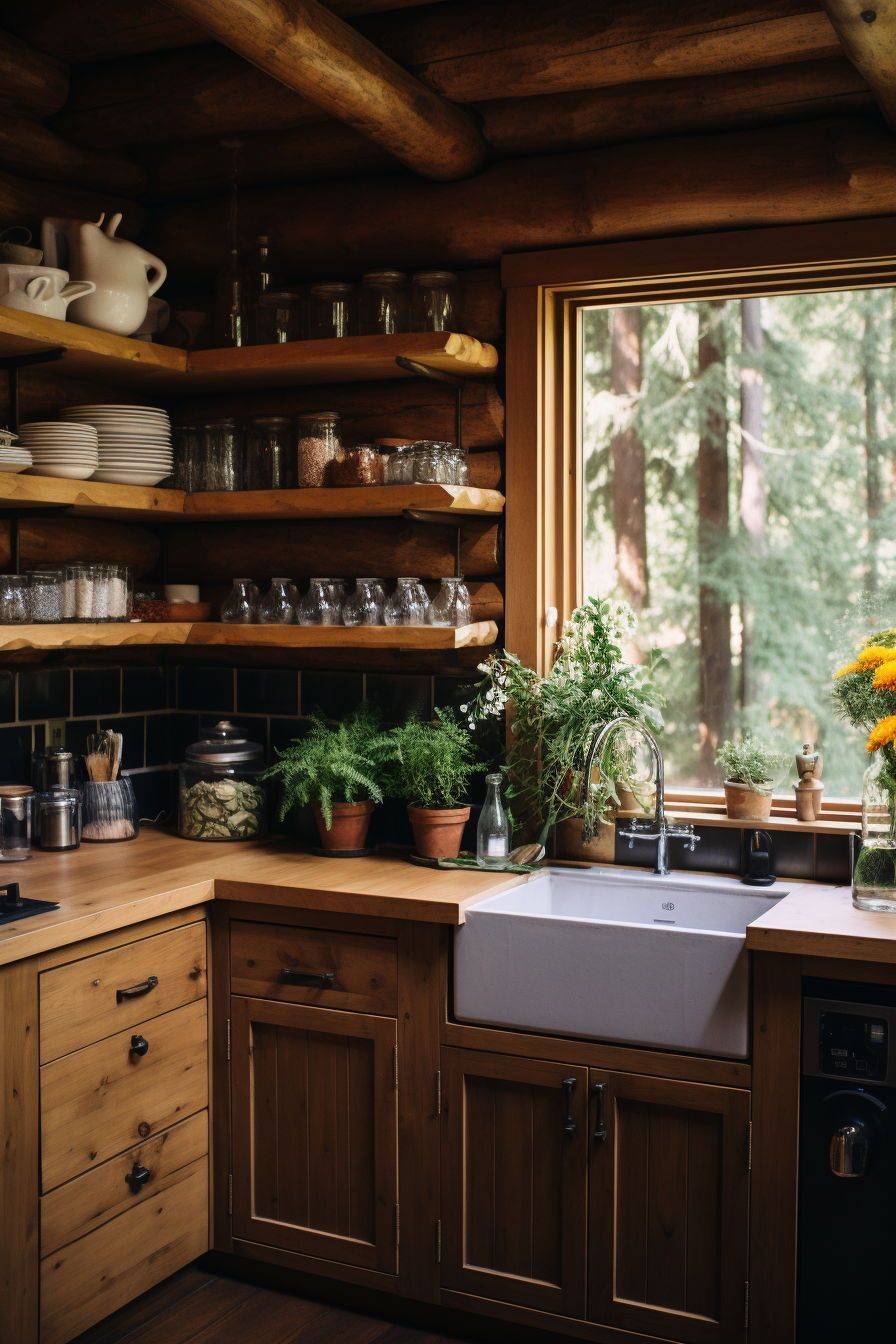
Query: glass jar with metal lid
pixel 434 305
pixel 331 310
pixel 221 794
pixel 384 303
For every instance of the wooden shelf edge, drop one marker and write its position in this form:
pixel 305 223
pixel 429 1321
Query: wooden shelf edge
pixel 827 824
pixel 85 497
pixel 219 635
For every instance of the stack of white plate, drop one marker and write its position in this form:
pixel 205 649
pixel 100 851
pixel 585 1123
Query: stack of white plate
pixel 13 457
pixel 134 442
pixel 60 449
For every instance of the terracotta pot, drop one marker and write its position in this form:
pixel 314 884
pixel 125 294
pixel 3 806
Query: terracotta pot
pixel 568 842
pixel 744 804
pixel 351 822
pixel 438 831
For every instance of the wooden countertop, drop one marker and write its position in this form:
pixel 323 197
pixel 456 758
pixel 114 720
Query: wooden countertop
pixel 818 921
pixel 106 887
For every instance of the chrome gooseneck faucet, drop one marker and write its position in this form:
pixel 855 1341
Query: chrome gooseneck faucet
pixel 659 829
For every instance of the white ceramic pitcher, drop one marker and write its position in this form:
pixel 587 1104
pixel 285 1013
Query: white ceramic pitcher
pixel 125 275
pixel 40 289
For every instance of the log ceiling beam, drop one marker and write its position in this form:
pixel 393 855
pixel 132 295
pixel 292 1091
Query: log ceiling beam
pixel 317 55
pixel 30 81
pixel 29 148
pixel 519 126
pixel 826 169
pixel 867 32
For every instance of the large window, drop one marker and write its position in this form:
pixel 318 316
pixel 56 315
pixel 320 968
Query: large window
pixel 739 465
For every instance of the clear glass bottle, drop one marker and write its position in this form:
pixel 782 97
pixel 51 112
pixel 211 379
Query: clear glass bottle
pixel 331 310
pixel 231 304
pixel 261 279
pixel 384 307
pixel 407 605
pixel 451 604
pixel 240 607
pixel 434 305
pixel 319 443
pixel 318 607
pixel 270 453
pixel 493 831
pixel 365 605
pixel 278 606
pixel 874 872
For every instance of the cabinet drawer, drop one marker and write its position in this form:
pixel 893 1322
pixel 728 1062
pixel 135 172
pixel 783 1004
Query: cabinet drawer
pixel 105 1098
pixel 84 1204
pixel 96 1275
pixel 353 971
pixel 99 995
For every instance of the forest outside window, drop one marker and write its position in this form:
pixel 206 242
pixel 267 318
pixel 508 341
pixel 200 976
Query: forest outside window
pixel 738 465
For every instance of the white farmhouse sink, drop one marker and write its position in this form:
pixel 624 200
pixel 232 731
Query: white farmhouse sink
pixel 614 956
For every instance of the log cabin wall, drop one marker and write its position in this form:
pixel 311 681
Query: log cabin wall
pixel 547 127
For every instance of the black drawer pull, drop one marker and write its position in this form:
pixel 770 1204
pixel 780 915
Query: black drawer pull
pixel 600 1128
pixel 137 1177
pixel 318 979
pixel 569 1124
pixel 139 1045
pixel 137 991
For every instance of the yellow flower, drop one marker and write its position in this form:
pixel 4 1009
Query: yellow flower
pixel 882 733
pixel 885 676
pixel 874 655
pixel 845 671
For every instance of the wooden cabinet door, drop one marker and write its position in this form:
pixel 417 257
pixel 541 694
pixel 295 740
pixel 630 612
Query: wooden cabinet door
pixel 669 1188
pixel 315 1155
pixel 514 1179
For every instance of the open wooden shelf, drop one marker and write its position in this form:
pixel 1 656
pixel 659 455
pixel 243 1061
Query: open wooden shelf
pixel 97 499
pixel 159 369
pixel 210 634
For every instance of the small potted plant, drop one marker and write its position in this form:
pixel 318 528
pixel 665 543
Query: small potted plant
pixel 338 770
pixel 431 771
pixel 750 768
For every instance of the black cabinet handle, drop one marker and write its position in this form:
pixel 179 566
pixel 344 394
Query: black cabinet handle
pixel 318 979
pixel 137 1177
pixel 137 991
pixel 139 1045
pixel 600 1128
pixel 569 1125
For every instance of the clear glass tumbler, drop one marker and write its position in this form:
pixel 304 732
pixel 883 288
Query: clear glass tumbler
pixel 318 606
pixel 240 607
pixel 365 605
pixel 278 606
pixel 451 604
pixel 407 605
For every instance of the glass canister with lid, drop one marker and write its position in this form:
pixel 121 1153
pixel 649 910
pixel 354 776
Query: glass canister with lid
pixel 221 794
pixel 318 446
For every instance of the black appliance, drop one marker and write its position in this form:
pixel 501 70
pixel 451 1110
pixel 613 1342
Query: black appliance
pixel 847 1201
pixel 14 906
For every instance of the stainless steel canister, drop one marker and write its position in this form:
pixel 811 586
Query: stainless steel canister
pixel 58 819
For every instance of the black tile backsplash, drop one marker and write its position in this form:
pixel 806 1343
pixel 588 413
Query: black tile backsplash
pixel 267 691
pixel 144 688
pixel 399 697
pixel 44 693
pixel 96 691
pixel 208 689
pixel 7 697
pixel 335 694
pixel 15 755
pixel 133 733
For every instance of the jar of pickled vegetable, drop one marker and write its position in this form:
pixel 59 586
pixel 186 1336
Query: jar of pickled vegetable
pixel 222 794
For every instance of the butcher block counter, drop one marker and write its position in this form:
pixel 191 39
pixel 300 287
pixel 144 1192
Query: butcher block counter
pixel 819 921
pixel 101 888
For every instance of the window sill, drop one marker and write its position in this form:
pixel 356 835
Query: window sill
pixel 840 816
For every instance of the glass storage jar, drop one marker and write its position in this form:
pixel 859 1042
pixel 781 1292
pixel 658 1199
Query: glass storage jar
pixel 46 595
pixel 278 317
pixel 240 607
pixel 221 456
pixel 270 453
pixel 384 303
pixel 433 463
pixel 407 605
pixel 15 605
pixel 399 465
pixel 278 606
pixel 319 443
pixel 15 822
pixel 874 871
pixel 331 310
pixel 361 465
pixel 365 605
pixel 221 793
pixel 451 604
pixel 434 305
pixel 319 606
pixel 186 457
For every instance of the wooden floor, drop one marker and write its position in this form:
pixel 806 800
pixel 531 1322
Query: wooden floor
pixel 199 1308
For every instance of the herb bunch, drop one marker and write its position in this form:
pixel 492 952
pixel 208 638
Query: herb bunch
pixel 751 762
pixel 342 763
pixel 432 763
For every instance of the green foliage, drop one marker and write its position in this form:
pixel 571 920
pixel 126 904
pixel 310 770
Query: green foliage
pixel 344 763
pixel 751 762
pixel 876 867
pixel 432 763
pixel 554 718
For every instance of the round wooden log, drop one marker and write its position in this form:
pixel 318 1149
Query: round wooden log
pixel 867 32
pixel 29 80
pixel 53 541
pixel 486 471
pixel 414 409
pixel 27 201
pixel 316 54
pixel 846 168
pixel 214 552
pixel 29 148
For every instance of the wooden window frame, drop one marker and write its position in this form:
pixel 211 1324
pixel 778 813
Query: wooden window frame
pixel 546 293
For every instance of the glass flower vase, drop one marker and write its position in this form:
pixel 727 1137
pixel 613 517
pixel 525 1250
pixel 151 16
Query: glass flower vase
pixel 874 873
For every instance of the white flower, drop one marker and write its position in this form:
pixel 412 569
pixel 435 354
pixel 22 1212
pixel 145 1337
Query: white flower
pixel 464 709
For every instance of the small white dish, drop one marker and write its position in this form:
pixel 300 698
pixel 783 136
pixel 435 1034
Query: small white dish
pixel 122 477
pixel 67 473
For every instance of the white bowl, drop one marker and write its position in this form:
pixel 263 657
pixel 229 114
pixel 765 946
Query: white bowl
pixel 122 477
pixel 68 473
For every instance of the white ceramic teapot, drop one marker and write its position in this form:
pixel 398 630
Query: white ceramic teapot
pixel 125 275
pixel 40 289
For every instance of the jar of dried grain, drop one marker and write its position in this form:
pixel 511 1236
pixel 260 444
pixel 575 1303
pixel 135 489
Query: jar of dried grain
pixel 319 443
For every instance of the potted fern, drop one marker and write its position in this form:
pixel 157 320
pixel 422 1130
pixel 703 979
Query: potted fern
pixel 750 768
pixel 431 771
pixel 338 770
